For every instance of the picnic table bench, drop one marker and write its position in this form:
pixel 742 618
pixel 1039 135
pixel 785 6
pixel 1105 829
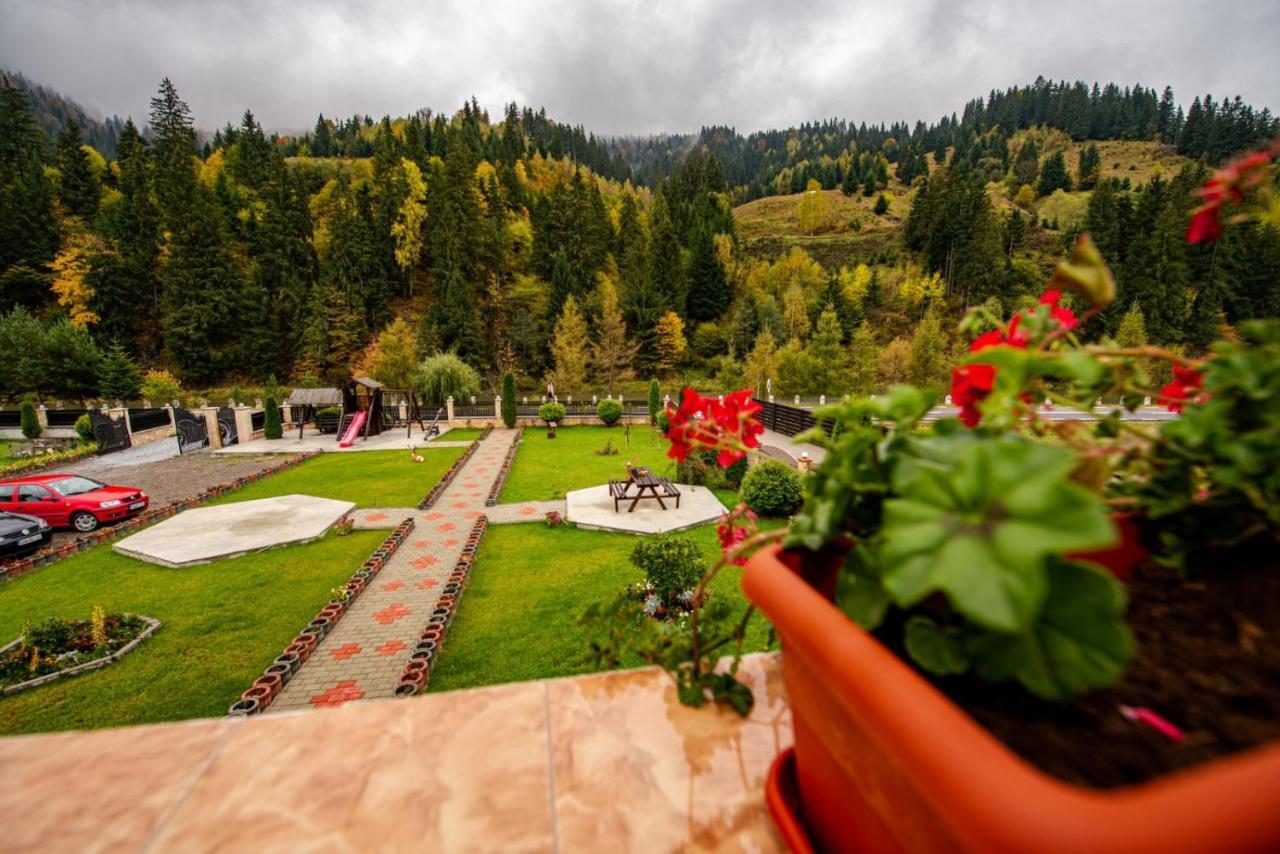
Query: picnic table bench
pixel 647 486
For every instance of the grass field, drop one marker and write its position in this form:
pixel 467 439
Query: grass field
pixel 461 434
pixel 530 584
pixel 545 469
pixel 223 623
pixel 369 478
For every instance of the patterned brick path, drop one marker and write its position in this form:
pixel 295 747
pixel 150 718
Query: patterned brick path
pixel 362 658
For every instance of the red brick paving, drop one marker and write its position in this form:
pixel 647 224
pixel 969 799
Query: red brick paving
pixel 391 613
pixel 343 692
pixel 391 647
pixel 345 651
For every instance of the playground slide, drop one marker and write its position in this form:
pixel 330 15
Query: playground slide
pixel 354 430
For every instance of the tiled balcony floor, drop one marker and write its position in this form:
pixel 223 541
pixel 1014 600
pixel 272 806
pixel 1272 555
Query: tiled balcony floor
pixel 604 762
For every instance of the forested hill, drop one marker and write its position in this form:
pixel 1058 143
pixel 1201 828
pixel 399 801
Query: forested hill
pixel 52 109
pixel 449 249
pixel 839 153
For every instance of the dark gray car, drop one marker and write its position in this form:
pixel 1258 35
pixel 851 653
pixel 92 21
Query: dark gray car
pixel 20 534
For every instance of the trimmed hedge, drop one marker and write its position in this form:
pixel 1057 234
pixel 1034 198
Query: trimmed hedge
pixel 609 411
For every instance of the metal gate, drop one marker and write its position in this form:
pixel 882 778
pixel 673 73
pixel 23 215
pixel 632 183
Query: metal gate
pixel 111 435
pixel 227 426
pixel 193 430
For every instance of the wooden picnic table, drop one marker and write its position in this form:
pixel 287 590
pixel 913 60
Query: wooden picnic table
pixel 647 484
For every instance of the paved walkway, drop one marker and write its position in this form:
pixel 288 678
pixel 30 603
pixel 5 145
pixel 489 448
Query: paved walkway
pixel 364 656
pixel 791 447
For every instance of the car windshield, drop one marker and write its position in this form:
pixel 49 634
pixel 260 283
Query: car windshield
pixel 75 485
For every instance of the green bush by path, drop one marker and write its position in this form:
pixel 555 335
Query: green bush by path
pixel 369 478
pixel 224 622
pixel 518 619
pixel 30 421
pixel 772 488
pixel 609 411
pixel 546 469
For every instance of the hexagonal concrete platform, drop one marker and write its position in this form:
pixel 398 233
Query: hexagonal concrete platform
pixel 593 508
pixel 207 534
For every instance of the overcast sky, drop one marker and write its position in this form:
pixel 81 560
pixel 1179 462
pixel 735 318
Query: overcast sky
pixel 632 66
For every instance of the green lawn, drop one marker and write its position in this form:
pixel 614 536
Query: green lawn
pixel 461 434
pixel 369 478
pixel 546 469
pixel 223 623
pixel 518 619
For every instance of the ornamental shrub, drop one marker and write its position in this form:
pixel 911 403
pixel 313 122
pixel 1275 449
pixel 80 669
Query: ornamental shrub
pixel 30 423
pixel 733 474
pixel 671 565
pixel 772 488
pixel 271 426
pixel 509 400
pixel 160 387
pixel 609 411
pixel 655 401
pixel 84 428
pixel 551 412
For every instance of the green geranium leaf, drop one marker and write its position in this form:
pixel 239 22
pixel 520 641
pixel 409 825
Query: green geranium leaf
pixel 934 648
pixel 860 592
pixel 1078 642
pixel 976 520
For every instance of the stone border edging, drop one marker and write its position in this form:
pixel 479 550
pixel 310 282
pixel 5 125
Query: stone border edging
pixel 417 673
pixel 84 542
pixel 264 689
pixel 500 481
pixel 96 664
pixel 447 478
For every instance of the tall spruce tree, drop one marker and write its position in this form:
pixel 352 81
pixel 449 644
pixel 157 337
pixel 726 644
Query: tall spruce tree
pixel 78 188
pixel 666 261
pixel 28 233
pixel 1053 175
pixel 709 290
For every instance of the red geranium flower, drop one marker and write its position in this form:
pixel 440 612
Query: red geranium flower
pixel 1227 186
pixel 1187 385
pixel 729 427
pixel 733 529
pixel 970 385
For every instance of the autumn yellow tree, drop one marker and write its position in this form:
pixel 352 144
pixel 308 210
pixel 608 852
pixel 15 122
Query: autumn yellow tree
pixel 70 277
pixel 917 287
pixel 393 358
pixel 894 364
pixel 569 349
pixel 669 340
pixel 762 362
pixel 811 210
pixel 407 228
pixel 795 314
pixel 611 352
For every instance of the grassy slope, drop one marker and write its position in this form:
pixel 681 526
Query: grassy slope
pixel 530 584
pixel 769 227
pixel 547 468
pixel 369 478
pixel 223 623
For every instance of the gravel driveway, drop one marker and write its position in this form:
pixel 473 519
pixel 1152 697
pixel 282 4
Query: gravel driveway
pixel 166 479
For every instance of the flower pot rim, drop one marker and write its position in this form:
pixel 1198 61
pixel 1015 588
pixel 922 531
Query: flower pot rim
pixel 985 794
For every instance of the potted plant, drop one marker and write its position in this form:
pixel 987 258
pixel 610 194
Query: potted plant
pixel 553 413
pixel 961 667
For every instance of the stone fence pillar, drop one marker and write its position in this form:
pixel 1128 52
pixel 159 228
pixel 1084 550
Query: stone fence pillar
pixel 42 417
pixel 244 423
pixel 210 416
pixel 448 408
pixel 122 414
pixel 497 407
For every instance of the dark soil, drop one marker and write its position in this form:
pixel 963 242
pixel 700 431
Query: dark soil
pixel 1208 661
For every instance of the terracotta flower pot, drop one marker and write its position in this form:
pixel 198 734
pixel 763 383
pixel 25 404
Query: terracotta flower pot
pixel 886 762
pixel 262 693
pixel 271 681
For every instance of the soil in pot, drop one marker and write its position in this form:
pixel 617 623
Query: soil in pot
pixel 1207 660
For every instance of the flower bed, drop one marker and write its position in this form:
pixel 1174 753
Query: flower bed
pixel 447 478
pixel 503 470
pixel 267 686
pixel 59 648
pixel 417 673
pixel 15 568
pixel 40 462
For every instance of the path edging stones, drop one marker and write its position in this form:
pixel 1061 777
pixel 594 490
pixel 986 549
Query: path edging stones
pixel 501 480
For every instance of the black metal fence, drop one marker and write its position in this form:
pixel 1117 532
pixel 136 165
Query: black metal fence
pixel 473 410
pixel 10 418
pixel 64 417
pixel 788 420
pixel 148 419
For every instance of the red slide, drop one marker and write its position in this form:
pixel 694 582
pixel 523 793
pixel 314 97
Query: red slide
pixel 354 430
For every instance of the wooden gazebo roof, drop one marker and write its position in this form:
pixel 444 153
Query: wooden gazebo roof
pixel 315 397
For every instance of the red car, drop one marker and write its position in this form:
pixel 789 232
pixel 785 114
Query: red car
pixel 70 500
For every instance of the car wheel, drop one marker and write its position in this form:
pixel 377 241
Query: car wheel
pixel 84 522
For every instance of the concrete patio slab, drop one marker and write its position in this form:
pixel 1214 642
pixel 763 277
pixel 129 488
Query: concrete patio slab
pixel 593 508
pixel 214 533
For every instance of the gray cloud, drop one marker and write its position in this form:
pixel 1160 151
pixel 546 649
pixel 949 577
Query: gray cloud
pixel 628 66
